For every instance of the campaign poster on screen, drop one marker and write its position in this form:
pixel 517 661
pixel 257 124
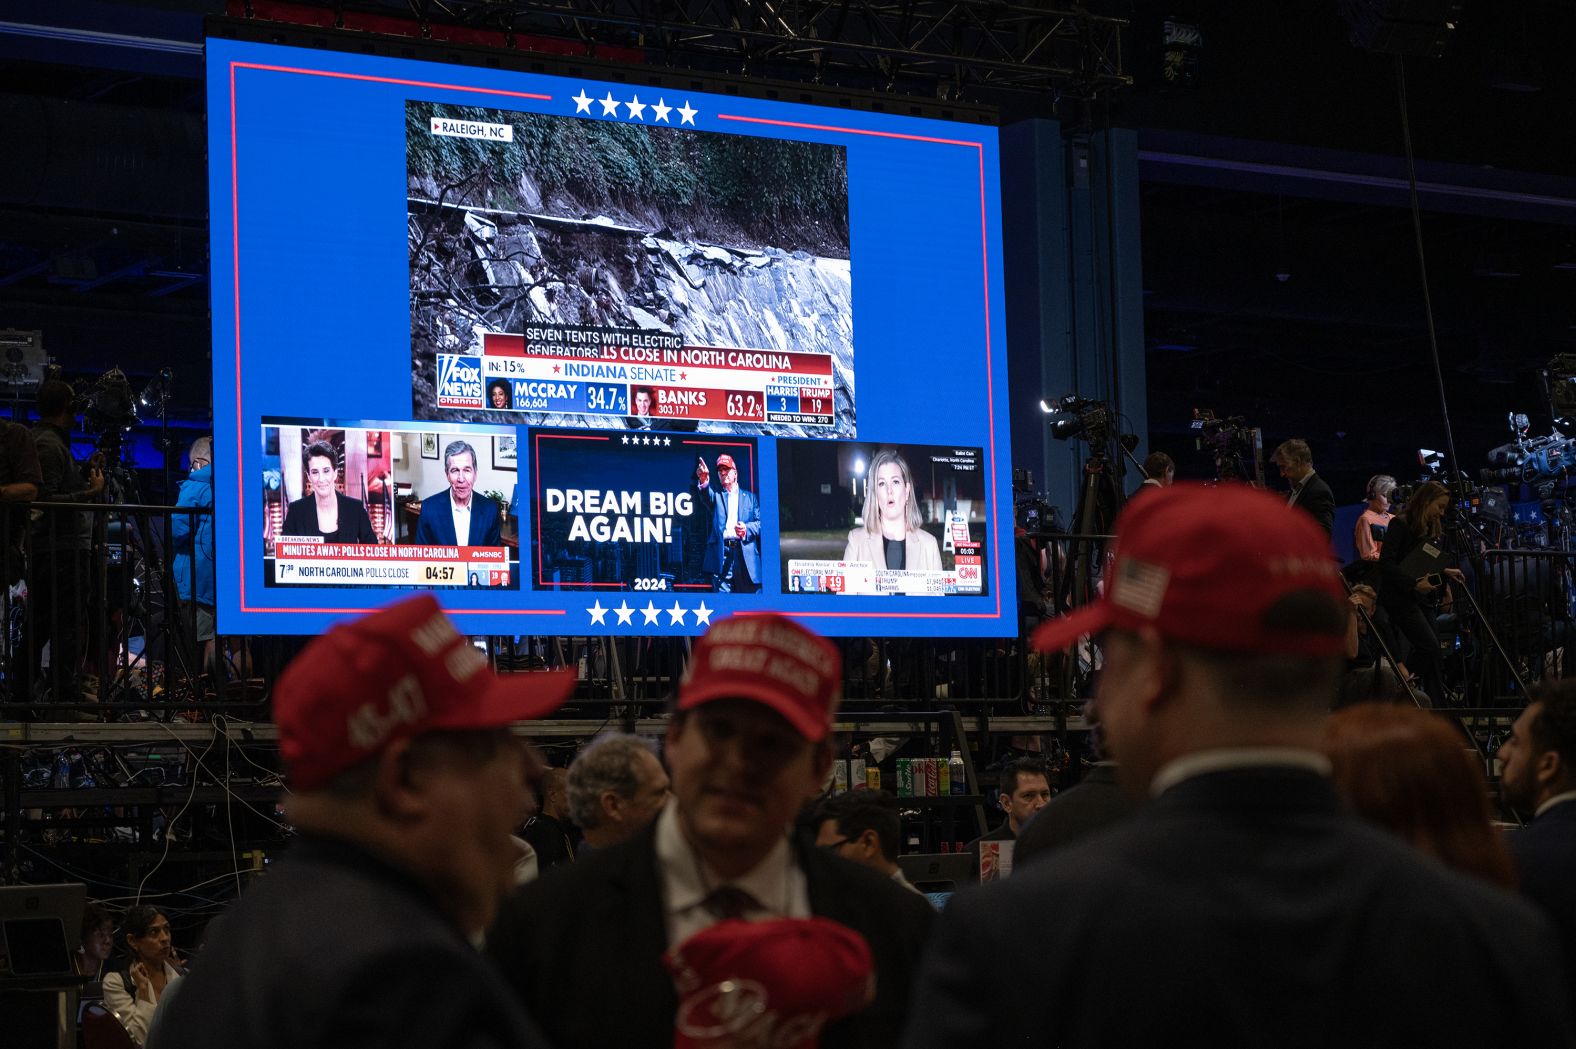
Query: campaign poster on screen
pixel 882 519
pixel 376 505
pixel 647 511
pixel 578 272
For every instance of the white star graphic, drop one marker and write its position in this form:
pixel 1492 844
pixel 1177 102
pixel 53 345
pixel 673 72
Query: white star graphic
pixel 666 442
pixel 686 114
pixel 623 612
pixel 651 612
pixel 703 615
pixel 645 440
pixel 676 615
pixel 636 108
pixel 624 439
pixel 609 105
pixel 598 613
pixel 582 101
pixel 661 110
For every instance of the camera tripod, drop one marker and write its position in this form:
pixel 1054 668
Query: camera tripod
pixel 150 592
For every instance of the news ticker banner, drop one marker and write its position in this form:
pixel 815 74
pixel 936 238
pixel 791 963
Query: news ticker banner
pixel 624 511
pixel 306 562
pixel 593 371
pixel 824 490
pixel 967 576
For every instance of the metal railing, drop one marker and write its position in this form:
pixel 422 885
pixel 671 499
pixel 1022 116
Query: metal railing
pixel 95 625
pixel 1527 596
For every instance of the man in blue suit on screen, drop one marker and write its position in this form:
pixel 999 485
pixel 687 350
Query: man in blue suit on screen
pixel 733 535
pixel 456 517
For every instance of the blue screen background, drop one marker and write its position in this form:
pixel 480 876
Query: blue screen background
pixel 309 238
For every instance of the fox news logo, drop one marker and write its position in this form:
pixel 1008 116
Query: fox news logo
pixel 459 381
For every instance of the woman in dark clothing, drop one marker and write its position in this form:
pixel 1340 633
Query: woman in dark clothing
pixel 1408 600
pixel 325 512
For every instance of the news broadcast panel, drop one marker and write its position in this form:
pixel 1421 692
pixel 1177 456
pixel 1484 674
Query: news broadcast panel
pixel 369 505
pixel 896 520
pixel 641 512
pixel 629 313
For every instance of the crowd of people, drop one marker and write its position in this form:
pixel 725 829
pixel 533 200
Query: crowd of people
pixel 55 653
pixel 1241 867
pixel 1399 582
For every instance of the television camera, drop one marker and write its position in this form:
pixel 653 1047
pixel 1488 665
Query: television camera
pixel 1236 447
pixel 1033 514
pixel 1541 462
pixel 108 409
pixel 1075 416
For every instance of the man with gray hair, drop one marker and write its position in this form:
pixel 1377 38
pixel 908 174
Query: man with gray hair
pixel 456 517
pixel 1309 493
pixel 616 787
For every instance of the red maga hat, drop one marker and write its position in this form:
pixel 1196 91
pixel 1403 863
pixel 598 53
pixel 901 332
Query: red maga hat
pixel 768 984
pixel 771 660
pixel 1204 566
pixel 399 672
pixel 725 462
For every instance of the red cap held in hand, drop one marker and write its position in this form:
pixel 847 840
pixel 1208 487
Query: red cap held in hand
pixel 771 660
pixel 767 985
pixel 1213 567
pixel 399 672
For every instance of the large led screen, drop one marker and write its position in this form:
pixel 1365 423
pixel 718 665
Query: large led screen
pixel 587 357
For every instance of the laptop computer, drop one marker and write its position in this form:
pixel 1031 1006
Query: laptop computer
pixel 38 931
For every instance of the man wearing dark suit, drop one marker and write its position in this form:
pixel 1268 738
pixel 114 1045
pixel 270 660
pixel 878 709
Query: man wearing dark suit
pixel 1539 777
pixel 1241 906
pixel 733 528
pixel 446 515
pixel 404 783
pixel 1309 493
pixel 749 743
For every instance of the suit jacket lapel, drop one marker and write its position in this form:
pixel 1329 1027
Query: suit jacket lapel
pixel 638 931
pixel 825 900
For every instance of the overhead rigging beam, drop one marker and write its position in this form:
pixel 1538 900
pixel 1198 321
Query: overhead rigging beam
pixel 939 48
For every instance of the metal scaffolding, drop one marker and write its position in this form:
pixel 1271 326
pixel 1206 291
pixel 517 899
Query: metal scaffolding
pixel 948 49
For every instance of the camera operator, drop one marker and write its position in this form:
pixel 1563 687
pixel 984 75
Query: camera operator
pixel 1309 493
pixel 1409 601
pixel 1159 471
pixel 19 481
pixel 61 540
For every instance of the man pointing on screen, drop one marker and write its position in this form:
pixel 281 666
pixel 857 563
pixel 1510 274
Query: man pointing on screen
pixel 733 537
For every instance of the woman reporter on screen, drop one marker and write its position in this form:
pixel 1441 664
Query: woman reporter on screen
pixel 892 535
pixel 324 511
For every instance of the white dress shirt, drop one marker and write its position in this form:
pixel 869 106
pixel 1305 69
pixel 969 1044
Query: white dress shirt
pixel 462 520
pixel 776 883
pixel 730 496
pixel 1224 758
pixel 1558 799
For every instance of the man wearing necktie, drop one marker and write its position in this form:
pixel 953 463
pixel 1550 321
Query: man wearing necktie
pixel 749 743
pixel 733 537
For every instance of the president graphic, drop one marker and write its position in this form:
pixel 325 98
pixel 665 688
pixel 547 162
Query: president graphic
pixel 456 517
pixel 733 535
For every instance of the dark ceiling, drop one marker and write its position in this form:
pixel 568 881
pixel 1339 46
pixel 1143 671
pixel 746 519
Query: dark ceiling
pixel 1280 267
